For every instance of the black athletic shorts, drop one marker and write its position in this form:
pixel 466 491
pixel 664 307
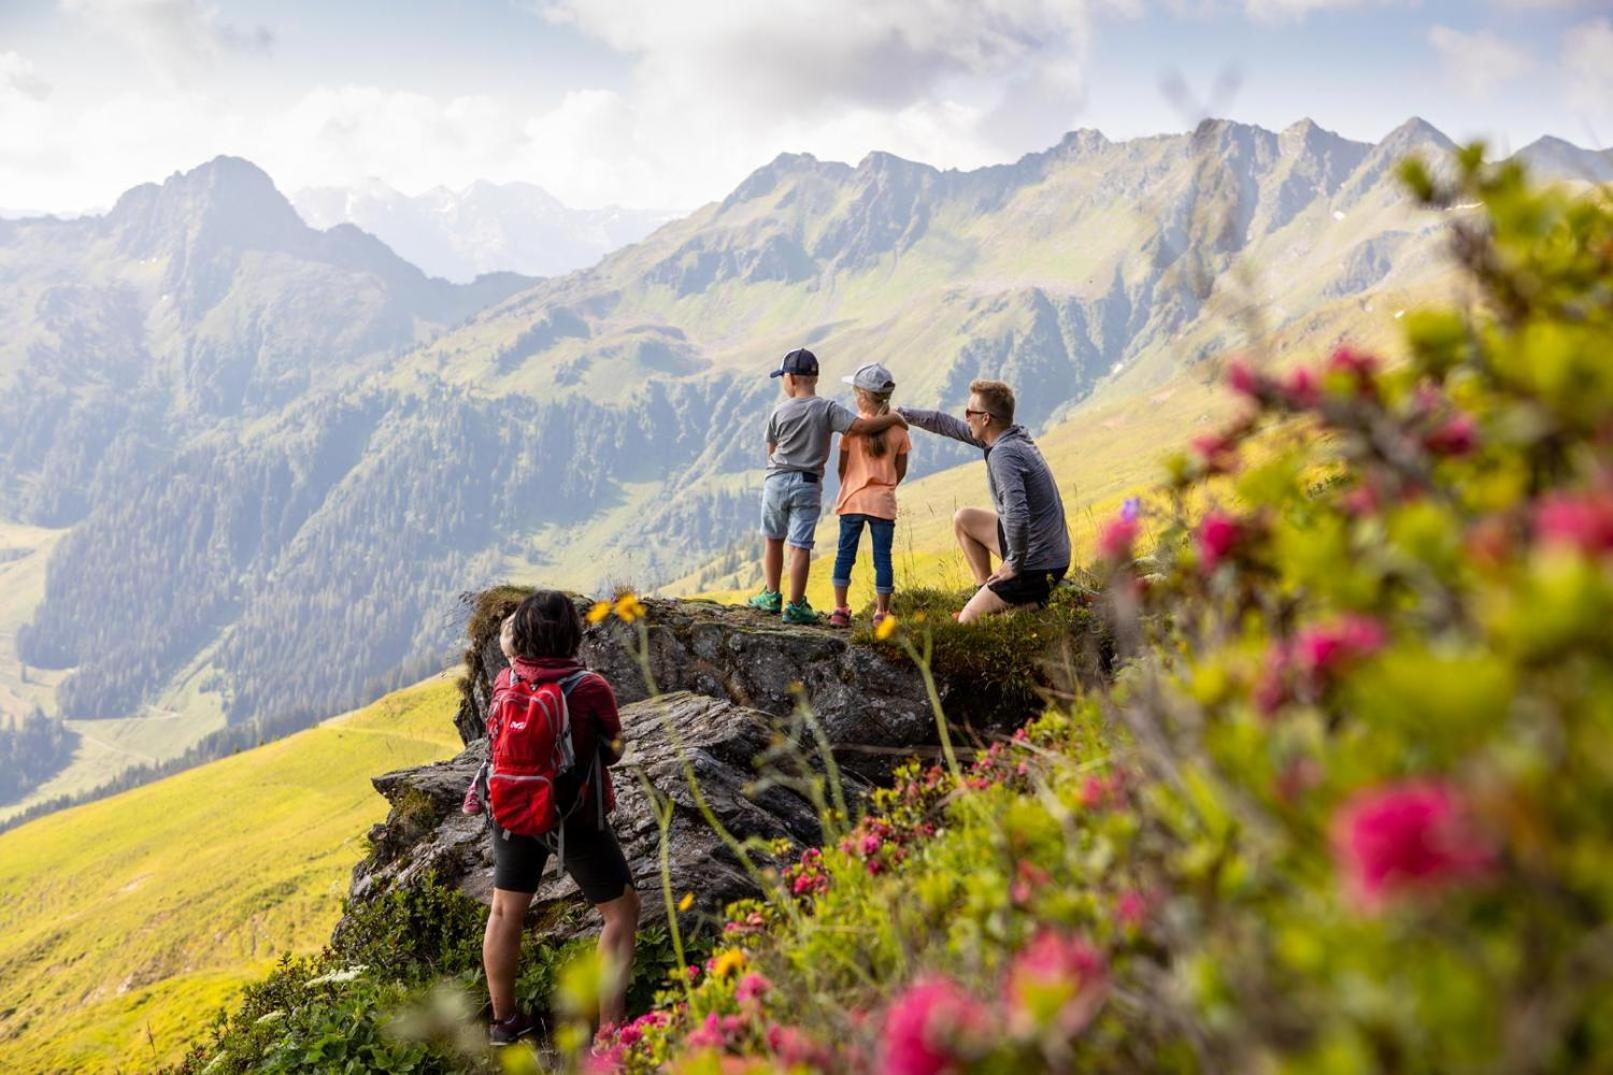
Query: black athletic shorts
pixel 1029 587
pixel 593 859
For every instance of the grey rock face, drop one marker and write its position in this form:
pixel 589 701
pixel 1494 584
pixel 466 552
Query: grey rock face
pixel 732 678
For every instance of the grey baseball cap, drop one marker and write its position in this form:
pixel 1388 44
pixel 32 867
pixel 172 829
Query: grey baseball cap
pixel 871 378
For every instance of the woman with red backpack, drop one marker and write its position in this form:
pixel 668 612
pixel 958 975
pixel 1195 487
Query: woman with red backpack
pixel 552 731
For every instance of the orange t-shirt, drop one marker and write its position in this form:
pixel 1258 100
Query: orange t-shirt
pixel 869 487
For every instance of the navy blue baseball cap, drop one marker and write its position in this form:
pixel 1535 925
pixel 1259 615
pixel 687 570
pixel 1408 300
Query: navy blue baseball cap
pixel 799 361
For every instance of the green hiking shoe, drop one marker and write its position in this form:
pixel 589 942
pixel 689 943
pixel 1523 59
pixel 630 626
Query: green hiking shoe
pixel 800 613
pixel 768 601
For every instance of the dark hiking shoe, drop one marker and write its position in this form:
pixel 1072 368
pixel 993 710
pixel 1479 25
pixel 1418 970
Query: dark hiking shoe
pixel 800 614
pixel 768 601
pixel 511 1030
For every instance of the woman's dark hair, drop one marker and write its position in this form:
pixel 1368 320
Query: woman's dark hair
pixel 545 625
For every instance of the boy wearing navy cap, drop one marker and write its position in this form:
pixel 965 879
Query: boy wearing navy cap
pixel 798 433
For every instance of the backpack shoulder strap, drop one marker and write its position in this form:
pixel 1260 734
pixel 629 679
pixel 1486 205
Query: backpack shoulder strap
pixel 573 681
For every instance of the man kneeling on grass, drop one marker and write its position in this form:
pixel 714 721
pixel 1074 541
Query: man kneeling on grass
pixel 1027 530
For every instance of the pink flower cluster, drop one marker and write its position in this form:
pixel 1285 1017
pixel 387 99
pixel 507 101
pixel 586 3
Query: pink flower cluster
pixel 930 1027
pixel 1218 536
pixel 809 875
pixel 716 1032
pixel 1055 984
pixel 1116 538
pixel 751 924
pixel 1578 521
pixel 1312 660
pixel 1301 388
pixel 1102 792
pixel 1050 992
pixel 1415 836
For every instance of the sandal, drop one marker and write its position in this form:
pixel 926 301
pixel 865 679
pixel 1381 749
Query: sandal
pixel 841 617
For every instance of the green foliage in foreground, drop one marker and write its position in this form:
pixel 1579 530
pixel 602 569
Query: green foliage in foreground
pixel 400 989
pixel 1348 805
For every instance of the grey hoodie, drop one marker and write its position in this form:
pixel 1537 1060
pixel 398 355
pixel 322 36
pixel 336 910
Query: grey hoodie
pixel 1035 537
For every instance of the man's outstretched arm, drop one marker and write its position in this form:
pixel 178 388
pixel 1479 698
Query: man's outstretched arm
pixel 940 423
pixel 877 424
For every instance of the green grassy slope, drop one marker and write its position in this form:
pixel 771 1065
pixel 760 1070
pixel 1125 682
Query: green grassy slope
pixel 182 714
pixel 129 921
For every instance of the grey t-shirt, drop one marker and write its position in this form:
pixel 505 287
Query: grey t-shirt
pixel 799 431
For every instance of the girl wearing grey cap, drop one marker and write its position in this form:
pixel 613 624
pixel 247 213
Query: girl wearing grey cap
pixel 871 466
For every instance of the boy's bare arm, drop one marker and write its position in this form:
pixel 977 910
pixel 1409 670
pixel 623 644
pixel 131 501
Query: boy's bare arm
pixel 901 467
pixel 877 424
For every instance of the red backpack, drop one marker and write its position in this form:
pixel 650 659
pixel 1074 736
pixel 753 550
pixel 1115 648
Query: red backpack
pixel 534 782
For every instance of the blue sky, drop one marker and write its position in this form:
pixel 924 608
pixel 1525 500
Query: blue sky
pixel 669 103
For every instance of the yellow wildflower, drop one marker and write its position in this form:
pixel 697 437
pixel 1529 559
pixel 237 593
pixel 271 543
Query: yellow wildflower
pixel 687 901
pixel 599 611
pixel 629 607
pixel 886 628
pixel 727 962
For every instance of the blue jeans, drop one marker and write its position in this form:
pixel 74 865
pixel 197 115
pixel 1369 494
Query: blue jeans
pixel 851 532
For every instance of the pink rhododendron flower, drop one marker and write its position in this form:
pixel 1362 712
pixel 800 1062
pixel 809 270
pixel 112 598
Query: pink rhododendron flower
pixel 1361 501
pixel 751 988
pixel 1056 983
pixel 1215 451
pixel 1099 791
pixel 1582 521
pixel 708 1035
pixel 795 1049
pixel 1414 836
pixel 1456 436
pixel 928 1027
pixel 1359 364
pixel 1271 690
pixel 1131 909
pixel 1319 651
pixel 1028 878
pixel 1242 379
pixel 1302 389
pixel 604 1061
pixel 1218 535
pixel 1115 539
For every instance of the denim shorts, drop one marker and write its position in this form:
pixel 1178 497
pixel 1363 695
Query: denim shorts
pixel 791 504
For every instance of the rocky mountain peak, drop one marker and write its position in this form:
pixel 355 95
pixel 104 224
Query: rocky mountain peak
pixel 225 202
pixel 1081 141
pixel 1553 158
pixel 1413 135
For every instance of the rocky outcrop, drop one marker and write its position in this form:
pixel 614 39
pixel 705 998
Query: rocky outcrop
pixel 733 684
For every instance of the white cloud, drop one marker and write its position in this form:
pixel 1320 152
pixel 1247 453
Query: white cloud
pixel 795 56
pixel 178 37
pixel 1480 62
pixel 1588 71
pixel 17 76
pixel 1280 10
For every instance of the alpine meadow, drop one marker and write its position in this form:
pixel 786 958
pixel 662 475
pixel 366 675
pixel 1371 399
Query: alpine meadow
pixel 808 539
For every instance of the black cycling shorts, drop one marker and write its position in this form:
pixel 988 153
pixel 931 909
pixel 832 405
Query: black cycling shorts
pixel 593 859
